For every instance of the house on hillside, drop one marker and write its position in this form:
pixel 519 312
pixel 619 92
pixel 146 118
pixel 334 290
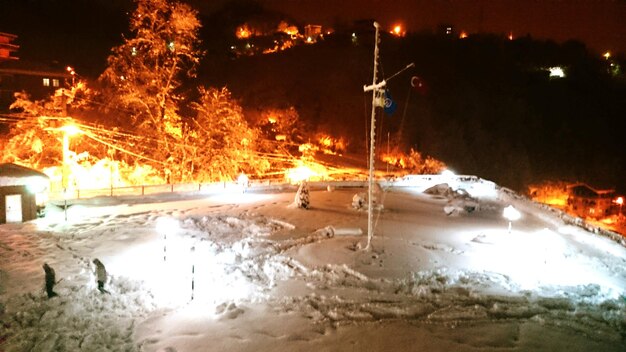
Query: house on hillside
pixel 7 47
pixel 22 193
pixel 39 80
pixel 584 201
pixel 312 32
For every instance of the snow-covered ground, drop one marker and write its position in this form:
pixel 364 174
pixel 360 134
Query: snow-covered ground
pixel 269 276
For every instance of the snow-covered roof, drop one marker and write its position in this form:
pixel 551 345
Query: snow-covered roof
pixel 584 190
pixel 16 175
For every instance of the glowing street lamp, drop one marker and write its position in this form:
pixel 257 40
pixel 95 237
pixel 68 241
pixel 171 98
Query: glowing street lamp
pixel 71 71
pixel 243 181
pixel 511 214
pixel 620 202
pixel 68 131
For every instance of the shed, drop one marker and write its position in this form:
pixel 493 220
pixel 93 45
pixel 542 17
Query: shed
pixel 22 193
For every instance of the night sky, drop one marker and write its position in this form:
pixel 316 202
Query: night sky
pixel 601 24
pixel 78 30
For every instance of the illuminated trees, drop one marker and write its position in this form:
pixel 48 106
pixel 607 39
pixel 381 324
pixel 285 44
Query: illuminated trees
pixel 220 139
pixel 33 138
pixel 144 73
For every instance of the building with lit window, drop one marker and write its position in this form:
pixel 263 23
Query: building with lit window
pixel 587 202
pixel 39 80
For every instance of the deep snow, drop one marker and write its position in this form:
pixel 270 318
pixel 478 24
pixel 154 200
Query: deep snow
pixel 268 275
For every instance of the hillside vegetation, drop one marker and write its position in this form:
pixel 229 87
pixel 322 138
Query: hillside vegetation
pixel 490 108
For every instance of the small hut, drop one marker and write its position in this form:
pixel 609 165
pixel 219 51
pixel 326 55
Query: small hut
pixel 22 193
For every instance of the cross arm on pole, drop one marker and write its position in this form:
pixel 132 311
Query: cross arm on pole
pixel 376 86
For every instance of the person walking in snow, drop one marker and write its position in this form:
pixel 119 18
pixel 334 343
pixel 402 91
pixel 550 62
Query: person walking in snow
pixel 101 275
pixel 50 280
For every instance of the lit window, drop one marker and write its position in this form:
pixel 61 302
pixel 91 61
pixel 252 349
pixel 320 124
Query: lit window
pixel 556 72
pixel 46 82
pixel 55 82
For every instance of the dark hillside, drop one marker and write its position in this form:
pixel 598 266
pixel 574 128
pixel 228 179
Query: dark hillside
pixel 490 109
pixel 323 82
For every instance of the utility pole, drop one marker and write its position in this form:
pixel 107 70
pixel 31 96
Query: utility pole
pixel 378 90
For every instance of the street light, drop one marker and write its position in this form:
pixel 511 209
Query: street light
pixel 68 131
pixel 511 214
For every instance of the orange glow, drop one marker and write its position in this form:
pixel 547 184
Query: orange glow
pixel 243 32
pixel 299 174
pixel 70 130
pixel 510 36
pixel 619 200
pixel 271 119
pixel 550 193
pixel 463 35
pixel 413 162
pixel 84 174
pixel 306 171
pixel 331 145
pixel 607 55
pixel 397 30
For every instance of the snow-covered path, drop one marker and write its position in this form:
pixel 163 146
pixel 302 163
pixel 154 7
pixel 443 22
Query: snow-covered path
pixel 267 277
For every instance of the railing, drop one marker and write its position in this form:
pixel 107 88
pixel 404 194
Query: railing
pixel 269 184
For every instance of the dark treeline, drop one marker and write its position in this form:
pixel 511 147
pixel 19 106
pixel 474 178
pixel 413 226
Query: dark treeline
pixel 490 107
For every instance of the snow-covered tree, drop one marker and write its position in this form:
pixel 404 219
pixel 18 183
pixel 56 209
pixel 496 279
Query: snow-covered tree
pixel 282 124
pixel 35 140
pixel 222 143
pixel 302 199
pixel 145 72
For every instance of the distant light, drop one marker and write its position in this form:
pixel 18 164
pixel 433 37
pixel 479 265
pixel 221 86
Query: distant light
pixel 397 31
pixel 243 180
pixel 37 184
pixel 607 55
pixel 171 46
pixel 447 173
pixel 511 214
pixel 510 35
pixel 463 35
pixel 556 72
pixel 309 39
pixel 619 200
pixel 70 130
pixel 167 225
pixel 299 174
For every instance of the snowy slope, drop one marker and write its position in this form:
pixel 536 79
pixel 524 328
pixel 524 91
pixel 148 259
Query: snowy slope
pixel 270 276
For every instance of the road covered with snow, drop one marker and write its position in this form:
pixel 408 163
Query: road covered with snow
pixel 251 271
